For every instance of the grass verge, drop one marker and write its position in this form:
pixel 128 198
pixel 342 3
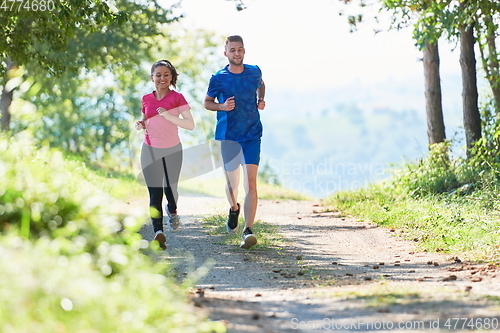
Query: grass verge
pixel 267 234
pixel 466 226
pixel 384 297
pixel 70 263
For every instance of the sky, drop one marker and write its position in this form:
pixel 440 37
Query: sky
pixel 306 44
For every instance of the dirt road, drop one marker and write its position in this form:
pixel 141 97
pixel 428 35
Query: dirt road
pixel 331 273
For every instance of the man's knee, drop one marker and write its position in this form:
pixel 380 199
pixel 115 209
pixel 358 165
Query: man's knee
pixel 251 186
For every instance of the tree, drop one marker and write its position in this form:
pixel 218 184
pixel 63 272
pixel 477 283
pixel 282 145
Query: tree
pixel 7 96
pixel 403 14
pixel 90 113
pixel 433 101
pixel 44 33
pixel 472 118
pixel 486 19
pixel 66 36
pixel 458 21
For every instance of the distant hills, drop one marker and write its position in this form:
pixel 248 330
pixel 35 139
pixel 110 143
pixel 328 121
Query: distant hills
pixel 318 142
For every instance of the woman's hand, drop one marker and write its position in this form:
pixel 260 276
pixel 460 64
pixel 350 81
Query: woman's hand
pixel 163 112
pixel 140 125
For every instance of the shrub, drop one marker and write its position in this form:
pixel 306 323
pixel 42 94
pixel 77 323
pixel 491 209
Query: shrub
pixel 431 175
pixel 69 263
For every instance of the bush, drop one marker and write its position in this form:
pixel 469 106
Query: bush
pixel 45 292
pixel 69 263
pixel 431 175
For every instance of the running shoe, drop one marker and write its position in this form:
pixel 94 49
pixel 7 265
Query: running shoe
pixel 161 239
pixel 232 220
pixel 248 239
pixel 173 222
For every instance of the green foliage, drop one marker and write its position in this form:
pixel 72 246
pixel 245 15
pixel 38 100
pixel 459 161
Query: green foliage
pixel 485 154
pixel 43 34
pixel 266 233
pixel 445 204
pixel 433 19
pixel 433 174
pixel 89 117
pixel 51 36
pixel 464 226
pixel 45 196
pixel 438 173
pixel 47 292
pixel 92 115
pixel 70 263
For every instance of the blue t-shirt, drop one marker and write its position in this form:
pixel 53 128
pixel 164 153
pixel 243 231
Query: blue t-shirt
pixel 243 122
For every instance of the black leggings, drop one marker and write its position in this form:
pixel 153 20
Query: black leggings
pixel 154 174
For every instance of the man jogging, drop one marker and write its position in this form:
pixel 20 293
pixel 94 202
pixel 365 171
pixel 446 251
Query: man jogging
pixel 239 91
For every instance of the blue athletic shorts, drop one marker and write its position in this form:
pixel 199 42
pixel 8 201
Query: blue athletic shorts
pixel 235 153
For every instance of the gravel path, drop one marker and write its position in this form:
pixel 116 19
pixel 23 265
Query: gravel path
pixel 333 274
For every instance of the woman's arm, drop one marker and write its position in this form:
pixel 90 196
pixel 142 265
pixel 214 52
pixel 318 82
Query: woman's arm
pixel 141 124
pixel 186 122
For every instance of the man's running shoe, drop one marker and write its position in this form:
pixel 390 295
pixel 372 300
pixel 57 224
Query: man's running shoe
pixel 248 239
pixel 173 222
pixel 161 239
pixel 232 220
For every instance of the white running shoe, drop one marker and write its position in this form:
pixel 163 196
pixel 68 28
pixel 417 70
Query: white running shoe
pixel 248 239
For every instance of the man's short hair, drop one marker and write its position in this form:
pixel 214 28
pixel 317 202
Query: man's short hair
pixel 234 38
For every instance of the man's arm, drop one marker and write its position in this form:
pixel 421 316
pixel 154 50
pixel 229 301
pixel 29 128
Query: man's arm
pixel 261 93
pixel 212 105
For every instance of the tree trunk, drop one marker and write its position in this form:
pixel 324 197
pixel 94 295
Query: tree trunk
pixel 6 98
pixel 433 102
pixel 494 70
pixel 472 118
pixel 489 58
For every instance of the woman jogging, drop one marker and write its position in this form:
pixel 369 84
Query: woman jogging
pixel 163 112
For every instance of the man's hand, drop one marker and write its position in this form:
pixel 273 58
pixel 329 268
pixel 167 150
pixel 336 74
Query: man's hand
pixel 261 104
pixel 229 104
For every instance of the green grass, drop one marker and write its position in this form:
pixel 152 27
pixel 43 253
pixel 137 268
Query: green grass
pixel 70 263
pixel 381 294
pixel 443 204
pixel 468 227
pixel 384 296
pixel 267 234
pixel 45 292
